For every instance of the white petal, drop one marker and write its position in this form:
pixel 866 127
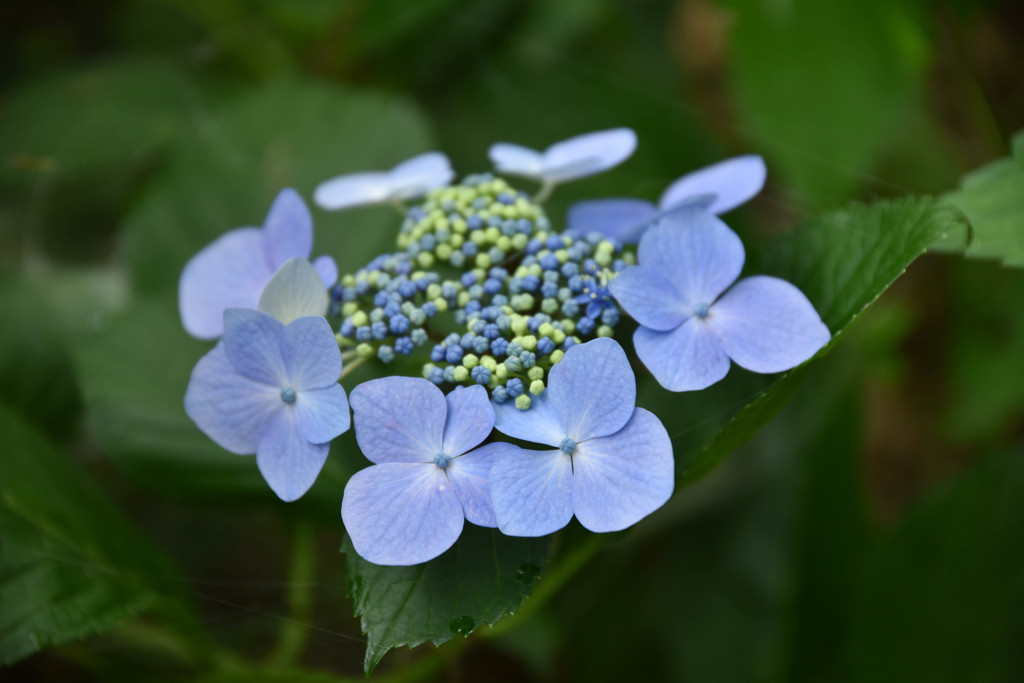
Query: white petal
pixel 727 184
pixel 354 189
pixel 586 155
pixel 295 291
pixel 517 160
pixel 419 175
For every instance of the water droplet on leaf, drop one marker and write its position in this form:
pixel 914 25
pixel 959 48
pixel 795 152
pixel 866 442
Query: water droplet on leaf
pixel 463 625
pixel 527 572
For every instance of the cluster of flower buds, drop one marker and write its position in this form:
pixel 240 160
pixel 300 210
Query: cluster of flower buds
pixel 512 315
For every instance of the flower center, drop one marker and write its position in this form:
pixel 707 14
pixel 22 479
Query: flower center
pixel 567 446
pixel 700 310
pixel 288 395
pixel 442 459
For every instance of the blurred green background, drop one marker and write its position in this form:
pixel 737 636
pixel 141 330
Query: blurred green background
pixel 872 532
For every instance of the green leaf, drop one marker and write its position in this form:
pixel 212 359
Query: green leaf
pixel 226 171
pixel 37 378
pixel 70 564
pixel 842 261
pixel 993 199
pixel 483 577
pixel 937 603
pixel 820 86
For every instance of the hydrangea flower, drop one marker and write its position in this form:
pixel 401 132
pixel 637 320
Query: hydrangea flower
pixel 578 157
pixel 409 507
pixel 272 390
pixel 232 271
pixel 717 189
pixel 689 328
pixel 612 464
pixel 409 179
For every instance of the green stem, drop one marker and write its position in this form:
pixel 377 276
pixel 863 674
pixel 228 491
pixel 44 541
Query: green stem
pixel 544 192
pixel 549 586
pixel 292 639
pixel 351 366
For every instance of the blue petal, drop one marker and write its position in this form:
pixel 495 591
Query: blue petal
pixel 311 354
pixel 288 462
pixel 516 160
pixel 419 175
pixel 649 297
pixel 399 419
pixel 401 513
pixel 615 218
pixel 231 409
pixel 767 325
pixel 695 251
pixel 469 421
pixel 322 414
pixel 353 189
pixel 228 273
pixel 288 229
pixel 327 269
pixel 296 290
pixel 730 183
pixel 687 358
pixel 620 479
pixel 585 155
pixel 531 490
pixel 470 475
pixel 592 389
pixel 540 424
pixel 252 342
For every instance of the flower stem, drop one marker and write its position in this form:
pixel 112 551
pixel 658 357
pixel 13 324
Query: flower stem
pixel 544 192
pixel 351 366
pixel 292 638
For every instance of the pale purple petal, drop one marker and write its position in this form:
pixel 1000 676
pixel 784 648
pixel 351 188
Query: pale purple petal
pixel 327 269
pixel 229 408
pixel 649 298
pixel 730 183
pixel 620 479
pixel 228 273
pixel 531 490
pixel 252 342
pixel 767 325
pixel 322 414
pixel 685 359
pixel 470 419
pixel 470 475
pixel 586 155
pixel 694 250
pixel 401 513
pixel 288 462
pixel 288 229
pixel 311 355
pixel 516 160
pixel 620 219
pixel 295 291
pixel 399 419
pixel 353 189
pixel 420 175
pixel 540 424
pixel 593 389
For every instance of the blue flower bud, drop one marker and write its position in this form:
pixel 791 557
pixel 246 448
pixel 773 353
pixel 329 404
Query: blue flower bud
pixel 399 324
pixel 457 259
pixel 417 317
pixel 468 279
pixel 514 387
pixel 533 246
pixel 380 299
pixel 474 222
pixel 347 329
pixel 404 345
pixel 512 363
pixel 499 394
pixel 500 300
pixel 429 309
pixel 453 354
pixel 492 285
pixel 499 346
pixel 449 374
pixel 490 331
pixel 386 353
pixel 469 248
pixel 524 225
pixel 531 283
pixel 610 316
pixel 508 228
pixel 379 330
pixel 418 336
pixel 437 375
pixel 585 325
pixel 407 289
pixel 363 334
pixel 481 345
pixel 473 307
pixel 527 358
pixel 545 346
pixel 549 290
pixel 570 309
pixel 576 284
pixel 480 374
pixel 549 262
pixel 437 354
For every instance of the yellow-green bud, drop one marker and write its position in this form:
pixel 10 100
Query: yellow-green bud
pixel 536 387
pixel 556 355
pixel 523 402
pixel 470 361
pixel 364 351
pixel 461 374
pixel 536 372
pixel 359 318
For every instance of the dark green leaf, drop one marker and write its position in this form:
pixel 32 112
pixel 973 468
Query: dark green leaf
pixel 820 86
pixel 842 261
pixel 483 577
pixel 993 199
pixel 70 565
pixel 938 600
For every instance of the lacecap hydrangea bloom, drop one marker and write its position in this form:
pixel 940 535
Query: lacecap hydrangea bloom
pixel 690 326
pixel 233 271
pixel 508 319
pixel 717 189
